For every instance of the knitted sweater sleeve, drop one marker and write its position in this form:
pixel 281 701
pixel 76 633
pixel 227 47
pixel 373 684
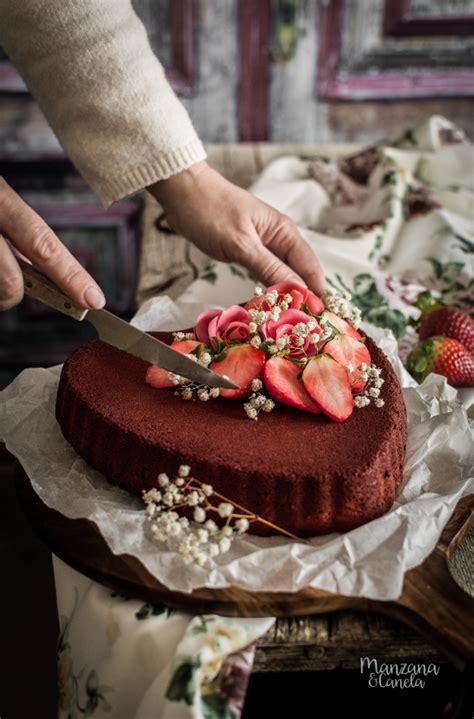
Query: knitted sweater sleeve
pixel 91 69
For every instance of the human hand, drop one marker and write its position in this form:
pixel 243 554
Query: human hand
pixel 231 225
pixel 24 234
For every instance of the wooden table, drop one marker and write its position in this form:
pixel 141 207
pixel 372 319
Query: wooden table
pixel 308 643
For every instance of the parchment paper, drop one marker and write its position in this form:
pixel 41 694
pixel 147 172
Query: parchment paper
pixel 368 561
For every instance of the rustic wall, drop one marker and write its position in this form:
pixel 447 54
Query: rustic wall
pixel 298 43
pixel 299 71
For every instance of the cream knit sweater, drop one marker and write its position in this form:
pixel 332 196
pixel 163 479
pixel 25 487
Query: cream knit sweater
pixel 90 67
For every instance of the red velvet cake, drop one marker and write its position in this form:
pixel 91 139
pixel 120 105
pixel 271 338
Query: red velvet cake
pixel 301 471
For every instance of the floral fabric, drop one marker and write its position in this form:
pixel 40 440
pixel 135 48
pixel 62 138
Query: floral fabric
pixel 388 223
pixel 127 659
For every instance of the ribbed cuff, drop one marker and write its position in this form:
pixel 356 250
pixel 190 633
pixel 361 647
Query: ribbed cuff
pixel 160 168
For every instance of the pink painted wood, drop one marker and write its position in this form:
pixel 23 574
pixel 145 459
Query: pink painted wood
pixel 399 23
pixel 332 84
pixel 254 74
pixel 182 70
pixel 121 218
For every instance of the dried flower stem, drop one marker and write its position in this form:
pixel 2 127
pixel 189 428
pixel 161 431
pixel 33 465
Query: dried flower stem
pixel 251 516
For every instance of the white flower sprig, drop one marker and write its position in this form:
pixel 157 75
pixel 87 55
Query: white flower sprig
pixel 257 401
pixel 370 374
pixel 178 336
pixel 188 389
pixel 205 538
pixel 339 304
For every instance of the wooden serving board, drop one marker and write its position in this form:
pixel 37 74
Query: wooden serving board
pixel 431 601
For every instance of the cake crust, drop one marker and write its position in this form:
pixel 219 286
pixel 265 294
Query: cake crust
pixel 300 471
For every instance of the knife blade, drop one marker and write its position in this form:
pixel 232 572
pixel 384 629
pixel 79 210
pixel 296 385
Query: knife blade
pixel 118 332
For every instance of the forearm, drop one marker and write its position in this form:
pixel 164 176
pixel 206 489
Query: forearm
pixel 90 66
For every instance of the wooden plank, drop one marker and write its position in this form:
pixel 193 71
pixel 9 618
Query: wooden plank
pixel 339 639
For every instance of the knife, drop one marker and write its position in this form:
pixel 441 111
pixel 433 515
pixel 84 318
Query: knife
pixel 118 333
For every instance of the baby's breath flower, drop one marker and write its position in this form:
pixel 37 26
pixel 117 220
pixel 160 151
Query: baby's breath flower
pixel 258 291
pixel 268 405
pixel 242 525
pixel 163 480
pixel 199 515
pixel 205 359
pixel 252 327
pixel 151 509
pixel 256 341
pixel 213 549
pixel 225 509
pixel 211 526
pixel 174 529
pixel 224 544
pixel 282 342
pixel 250 411
pixel 203 535
pixel 195 542
pixel 192 499
pixel 187 393
pixel 214 392
pixel 379 402
pixel 256 385
pixel 168 499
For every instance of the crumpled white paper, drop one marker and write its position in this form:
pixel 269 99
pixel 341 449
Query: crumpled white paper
pixel 369 561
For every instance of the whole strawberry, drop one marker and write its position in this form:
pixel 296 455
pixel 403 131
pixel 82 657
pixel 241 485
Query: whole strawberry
pixel 444 356
pixel 448 322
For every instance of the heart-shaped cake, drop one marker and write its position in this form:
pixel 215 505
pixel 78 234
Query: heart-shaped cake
pixel 298 467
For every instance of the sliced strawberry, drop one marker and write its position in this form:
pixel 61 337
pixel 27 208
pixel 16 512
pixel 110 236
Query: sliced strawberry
pixel 327 383
pixel 158 377
pixel 349 352
pixel 242 364
pixel 283 385
pixel 341 325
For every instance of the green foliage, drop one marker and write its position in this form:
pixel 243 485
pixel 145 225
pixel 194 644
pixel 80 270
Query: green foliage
pixel 215 706
pixel 389 178
pixel 183 685
pixel 209 273
pixel 373 306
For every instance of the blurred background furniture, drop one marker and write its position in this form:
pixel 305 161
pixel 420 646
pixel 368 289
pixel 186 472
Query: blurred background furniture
pixel 278 71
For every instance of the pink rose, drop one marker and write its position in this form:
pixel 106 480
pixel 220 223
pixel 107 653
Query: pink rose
pixel 229 324
pixel 301 295
pixel 275 329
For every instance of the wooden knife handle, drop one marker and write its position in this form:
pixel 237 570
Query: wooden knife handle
pixel 39 286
